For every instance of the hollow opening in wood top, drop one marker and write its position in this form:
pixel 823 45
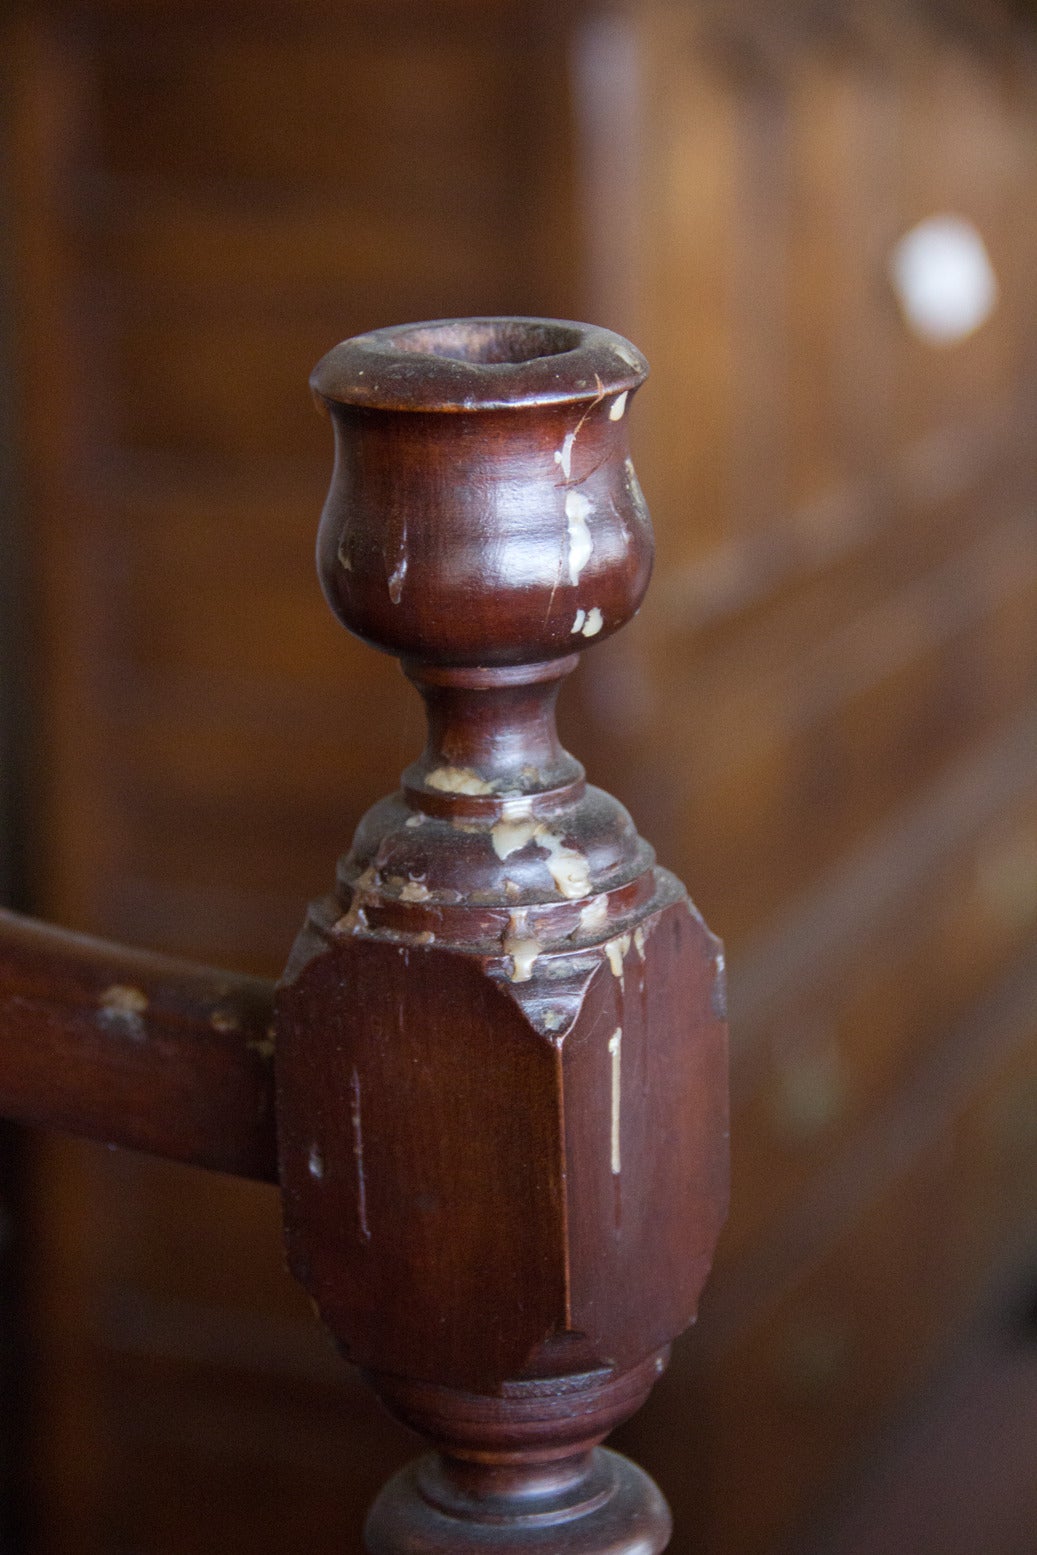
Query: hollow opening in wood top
pixel 488 342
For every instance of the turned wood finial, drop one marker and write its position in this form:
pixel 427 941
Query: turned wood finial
pixel 501 1050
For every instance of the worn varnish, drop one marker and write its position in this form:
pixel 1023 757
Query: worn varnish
pixel 501 1050
pixel 136 1049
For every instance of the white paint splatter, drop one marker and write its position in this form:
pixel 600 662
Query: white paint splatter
pixel 616 949
pixel 618 406
pixel 122 1008
pixel 457 780
pixel 594 915
pixel 568 867
pixel 581 616
pixel 564 455
pixel 520 944
pixel 616 1052
pixel 577 509
pixel 509 836
pixel 594 622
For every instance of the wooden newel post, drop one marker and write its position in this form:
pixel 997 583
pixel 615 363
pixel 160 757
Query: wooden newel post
pixel 500 1046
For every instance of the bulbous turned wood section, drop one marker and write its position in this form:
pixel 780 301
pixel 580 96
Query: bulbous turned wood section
pixel 501 1052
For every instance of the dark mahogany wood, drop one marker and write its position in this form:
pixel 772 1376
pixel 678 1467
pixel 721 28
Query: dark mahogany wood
pixel 136 1049
pixel 501 1043
pixel 500 1072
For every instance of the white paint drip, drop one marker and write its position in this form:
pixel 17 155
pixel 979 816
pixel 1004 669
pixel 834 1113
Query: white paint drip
pixel 616 949
pixel 577 509
pixel 581 616
pixel 639 941
pixel 509 836
pixel 355 919
pixel 594 915
pixel 457 780
pixel 519 943
pixel 564 455
pixel 616 1052
pixel 594 622
pixel 358 1155
pixel 618 406
pixel 568 867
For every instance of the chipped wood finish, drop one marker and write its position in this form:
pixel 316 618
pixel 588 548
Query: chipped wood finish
pixel 501 1044
pixel 136 1049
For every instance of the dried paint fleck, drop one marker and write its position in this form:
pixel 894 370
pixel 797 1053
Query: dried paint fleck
pixel 508 836
pixel 564 455
pixel 616 950
pixel 457 780
pixel 414 891
pixel 594 622
pixel 520 944
pixel 618 406
pixel 122 1007
pixel 577 511
pixel 568 867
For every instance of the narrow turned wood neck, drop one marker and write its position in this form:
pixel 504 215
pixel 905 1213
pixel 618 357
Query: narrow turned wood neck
pixel 492 732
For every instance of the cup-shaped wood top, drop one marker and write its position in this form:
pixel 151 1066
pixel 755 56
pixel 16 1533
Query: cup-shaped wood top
pixel 483 508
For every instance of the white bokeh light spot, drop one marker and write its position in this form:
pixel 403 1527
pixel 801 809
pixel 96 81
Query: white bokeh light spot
pixel 943 278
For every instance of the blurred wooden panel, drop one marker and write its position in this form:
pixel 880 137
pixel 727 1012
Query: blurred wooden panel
pixel 824 717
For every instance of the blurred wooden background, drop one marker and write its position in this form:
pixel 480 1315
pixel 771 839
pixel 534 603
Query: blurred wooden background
pixel 825 718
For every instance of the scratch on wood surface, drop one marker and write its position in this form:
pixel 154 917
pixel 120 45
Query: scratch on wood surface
pixel 358 1152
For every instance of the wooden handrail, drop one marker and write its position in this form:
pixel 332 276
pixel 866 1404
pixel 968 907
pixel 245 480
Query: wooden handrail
pixel 136 1049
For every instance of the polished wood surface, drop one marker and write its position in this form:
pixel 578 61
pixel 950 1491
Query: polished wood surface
pixel 501 1050
pixel 136 1049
